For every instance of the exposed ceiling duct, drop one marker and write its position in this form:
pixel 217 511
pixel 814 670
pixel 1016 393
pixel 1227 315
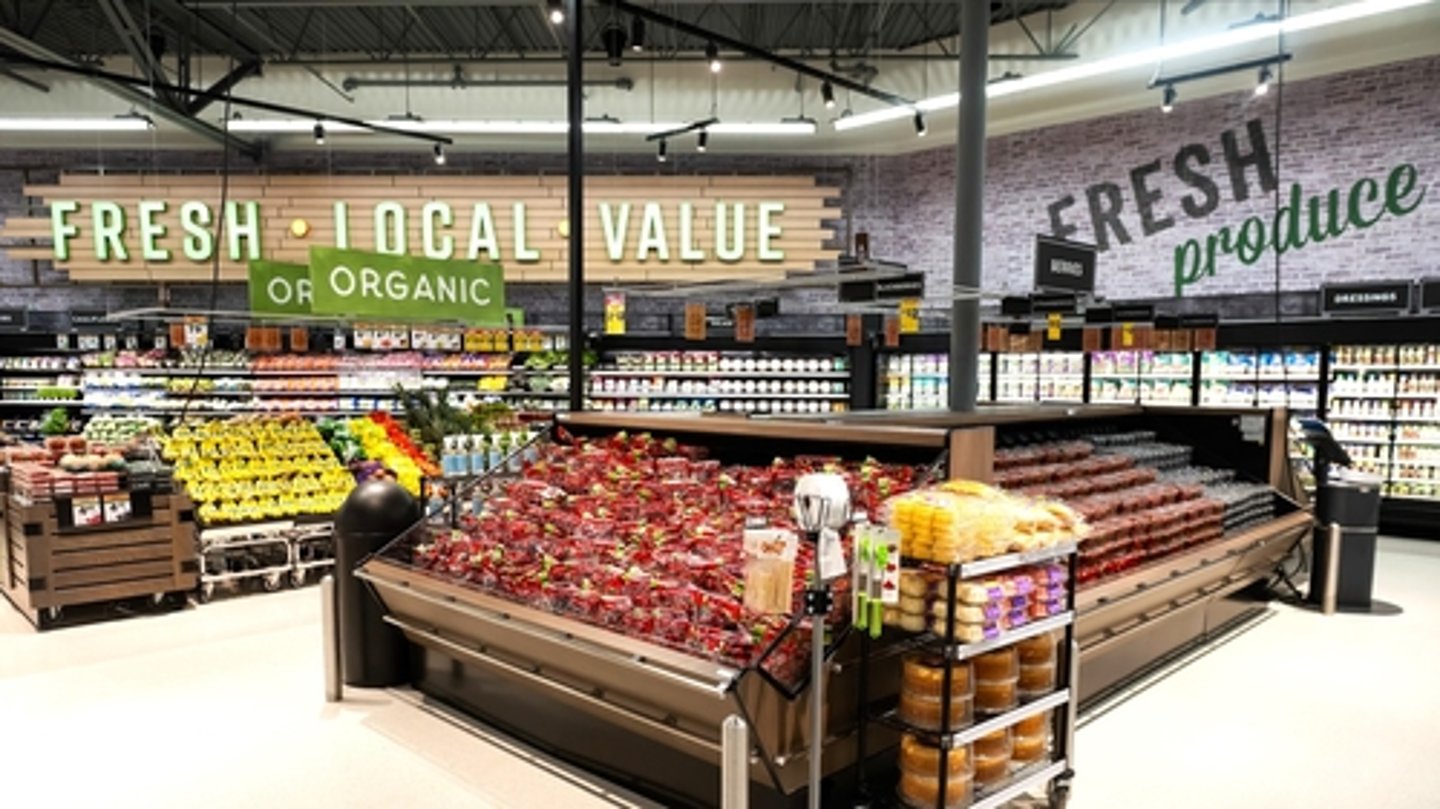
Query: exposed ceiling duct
pixel 459 81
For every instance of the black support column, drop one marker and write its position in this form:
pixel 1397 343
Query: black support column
pixel 575 104
pixel 969 201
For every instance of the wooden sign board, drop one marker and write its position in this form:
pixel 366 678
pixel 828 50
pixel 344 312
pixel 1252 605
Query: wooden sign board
pixel 694 321
pixel 164 227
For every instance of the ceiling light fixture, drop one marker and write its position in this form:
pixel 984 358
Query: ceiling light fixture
pixel 556 11
pixel 439 154
pixel 660 152
pixel 1262 84
pixel 319 134
pixel 123 123
pixel 637 34
pixel 1149 56
pixel 713 54
pixel 703 142
pixel 827 93
pixel 920 128
pixel 1167 101
pixel 281 126
pixel 613 38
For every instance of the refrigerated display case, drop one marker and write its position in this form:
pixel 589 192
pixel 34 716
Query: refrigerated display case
pixel 1147 377
pixel 922 381
pixel 1384 408
pixel 1040 376
pixel 1288 377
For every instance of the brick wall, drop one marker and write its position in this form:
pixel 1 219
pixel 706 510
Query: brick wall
pixel 1334 131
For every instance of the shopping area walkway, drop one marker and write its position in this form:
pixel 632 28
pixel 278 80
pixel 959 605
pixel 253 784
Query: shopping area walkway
pixel 222 706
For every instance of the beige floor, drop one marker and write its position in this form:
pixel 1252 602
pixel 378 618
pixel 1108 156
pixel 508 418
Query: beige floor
pixel 222 707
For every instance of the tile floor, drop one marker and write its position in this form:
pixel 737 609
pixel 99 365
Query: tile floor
pixel 222 707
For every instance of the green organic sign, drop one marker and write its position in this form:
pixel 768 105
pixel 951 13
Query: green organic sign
pixel 353 283
pixel 277 288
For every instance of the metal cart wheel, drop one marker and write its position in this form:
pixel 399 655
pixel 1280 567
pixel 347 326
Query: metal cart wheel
pixel 157 598
pixel 274 582
pixel 1059 793
pixel 207 592
pixel 297 578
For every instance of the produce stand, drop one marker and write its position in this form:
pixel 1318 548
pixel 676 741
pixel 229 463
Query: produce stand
pixel 1127 623
pixel 49 562
pixel 634 709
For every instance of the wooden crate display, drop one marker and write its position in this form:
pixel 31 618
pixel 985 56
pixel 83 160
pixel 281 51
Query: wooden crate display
pixel 45 565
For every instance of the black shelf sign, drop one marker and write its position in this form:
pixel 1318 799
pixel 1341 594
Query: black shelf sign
pixel 12 319
pixel 909 285
pixel 1132 312
pixel 1380 297
pixel 1061 264
pixel 80 318
pixel 1430 293
pixel 1199 321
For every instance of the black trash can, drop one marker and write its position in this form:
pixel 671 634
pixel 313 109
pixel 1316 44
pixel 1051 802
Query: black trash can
pixel 1348 510
pixel 372 653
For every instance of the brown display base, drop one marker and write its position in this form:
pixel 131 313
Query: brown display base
pixel 47 567
pixel 1127 624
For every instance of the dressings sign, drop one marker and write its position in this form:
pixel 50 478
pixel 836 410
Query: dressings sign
pixel 172 227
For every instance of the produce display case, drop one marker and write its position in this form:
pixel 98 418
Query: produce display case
pixel 1164 580
pixel 637 701
pixel 55 556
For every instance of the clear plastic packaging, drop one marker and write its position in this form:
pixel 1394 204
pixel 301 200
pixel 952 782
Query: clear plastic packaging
pixel 997 696
pixel 1003 664
pixel 923 675
pixel 925 713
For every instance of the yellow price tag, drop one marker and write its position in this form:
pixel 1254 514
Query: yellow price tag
pixel 1127 335
pixel 910 316
pixel 615 313
pixel 1052 326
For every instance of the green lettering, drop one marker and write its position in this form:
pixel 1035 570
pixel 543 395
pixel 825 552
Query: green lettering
pixel 1395 194
pixel 1333 225
pixel 1288 235
pixel 151 232
pixel 1250 241
pixel 1187 265
pixel 249 230
pixel 199 243
pixel 109 226
pixel 1371 190
pixel 390 229
pixel 61 230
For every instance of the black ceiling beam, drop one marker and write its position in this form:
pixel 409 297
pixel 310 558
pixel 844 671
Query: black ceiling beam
pixel 254 103
pixel 32 26
pixel 138 44
pixel 217 36
pixel 25 80
pixel 746 48
pixel 223 85
pixel 33 54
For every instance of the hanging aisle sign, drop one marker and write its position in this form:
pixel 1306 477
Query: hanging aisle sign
pixel 353 283
pixel 168 227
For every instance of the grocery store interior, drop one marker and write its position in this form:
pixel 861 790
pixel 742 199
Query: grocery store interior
pixel 720 403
